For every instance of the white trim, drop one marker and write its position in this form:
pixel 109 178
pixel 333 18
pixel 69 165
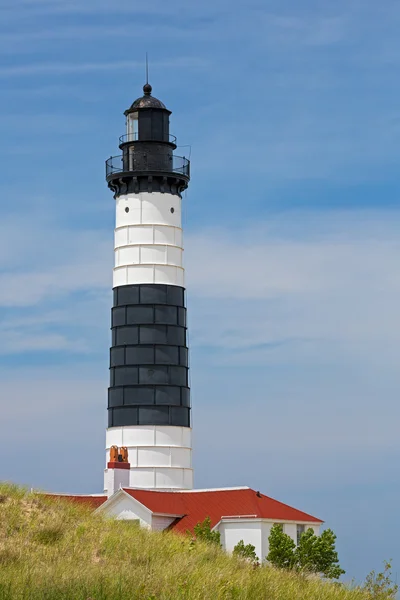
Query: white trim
pixel 158 446
pixel 245 487
pixel 234 519
pixel 149 244
pixel 296 522
pixel 160 467
pixel 193 491
pixel 121 492
pixel 163 427
pixel 157 514
pixel 240 517
pixel 249 519
pixel 150 264
pixel 148 225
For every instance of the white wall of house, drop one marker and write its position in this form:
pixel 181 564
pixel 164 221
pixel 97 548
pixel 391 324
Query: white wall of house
pixel 123 507
pixel 291 530
pixel 265 532
pixel 160 522
pixel 255 532
pixel 248 530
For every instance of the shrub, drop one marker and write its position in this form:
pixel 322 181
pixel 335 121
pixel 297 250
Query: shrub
pixel 317 554
pixel 246 551
pixel 314 554
pixel 281 548
pixel 203 532
pixel 380 585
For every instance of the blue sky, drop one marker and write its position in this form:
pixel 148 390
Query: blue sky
pixel 291 111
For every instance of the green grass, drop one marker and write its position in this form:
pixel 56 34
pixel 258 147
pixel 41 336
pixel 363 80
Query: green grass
pixel 52 549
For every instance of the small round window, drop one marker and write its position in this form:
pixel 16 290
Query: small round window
pixel 172 209
pixel 127 209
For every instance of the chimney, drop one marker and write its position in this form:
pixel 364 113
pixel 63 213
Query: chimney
pixel 117 471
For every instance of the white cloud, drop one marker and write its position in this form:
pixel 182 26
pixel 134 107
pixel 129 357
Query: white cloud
pixel 55 284
pixel 15 41
pixel 333 288
pixel 63 68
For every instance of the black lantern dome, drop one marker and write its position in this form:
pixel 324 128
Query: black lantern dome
pixel 148 162
pixel 146 101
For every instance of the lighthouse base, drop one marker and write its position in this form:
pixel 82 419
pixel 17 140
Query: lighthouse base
pixel 160 457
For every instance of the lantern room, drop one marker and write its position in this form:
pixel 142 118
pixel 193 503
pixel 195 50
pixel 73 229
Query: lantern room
pixel 147 120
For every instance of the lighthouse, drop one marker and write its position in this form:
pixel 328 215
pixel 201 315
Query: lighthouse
pixel 148 477
pixel 149 398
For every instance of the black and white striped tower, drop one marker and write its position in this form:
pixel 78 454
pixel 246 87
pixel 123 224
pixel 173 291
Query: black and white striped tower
pixel 149 400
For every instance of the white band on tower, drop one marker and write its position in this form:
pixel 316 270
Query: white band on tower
pixel 148 239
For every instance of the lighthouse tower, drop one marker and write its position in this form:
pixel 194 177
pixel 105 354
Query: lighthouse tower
pixel 148 398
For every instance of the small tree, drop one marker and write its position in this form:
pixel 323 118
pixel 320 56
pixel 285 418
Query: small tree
pixel 203 532
pixel 317 554
pixel 304 553
pixel 326 559
pixel 380 585
pixel 314 554
pixel 281 548
pixel 246 551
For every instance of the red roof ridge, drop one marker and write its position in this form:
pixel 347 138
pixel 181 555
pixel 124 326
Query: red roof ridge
pixel 239 517
pixel 194 491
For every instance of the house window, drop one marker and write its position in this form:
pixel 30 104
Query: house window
pixel 300 530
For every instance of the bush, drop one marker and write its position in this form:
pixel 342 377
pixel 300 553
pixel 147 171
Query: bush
pixel 246 551
pixel 317 554
pixel 281 548
pixel 314 554
pixel 379 585
pixel 203 532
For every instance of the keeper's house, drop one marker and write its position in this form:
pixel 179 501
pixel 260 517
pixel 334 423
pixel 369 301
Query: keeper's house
pixel 237 513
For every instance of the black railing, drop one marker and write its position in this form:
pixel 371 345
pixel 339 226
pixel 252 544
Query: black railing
pixel 134 137
pixel 153 162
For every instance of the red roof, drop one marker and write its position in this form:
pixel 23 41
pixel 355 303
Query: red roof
pixel 195 506
pixel 93 501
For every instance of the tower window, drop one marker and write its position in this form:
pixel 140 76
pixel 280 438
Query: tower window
pixel 133 127
pixel 172 209
pixel 127 209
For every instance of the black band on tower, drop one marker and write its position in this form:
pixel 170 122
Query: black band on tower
pixel 149 357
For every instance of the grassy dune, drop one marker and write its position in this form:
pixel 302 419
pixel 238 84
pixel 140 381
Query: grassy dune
pixel 51 550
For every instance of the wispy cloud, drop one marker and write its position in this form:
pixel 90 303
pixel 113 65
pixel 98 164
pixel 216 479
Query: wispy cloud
pixel 64 68
pixel 60 7
pixel 323 288
pixel 39 286
pixel 18 41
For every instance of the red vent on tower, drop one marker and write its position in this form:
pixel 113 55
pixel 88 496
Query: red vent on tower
pixel 118 458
